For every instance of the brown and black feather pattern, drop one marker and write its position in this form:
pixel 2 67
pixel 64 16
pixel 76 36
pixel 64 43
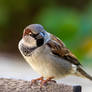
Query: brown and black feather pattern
pixel 58 48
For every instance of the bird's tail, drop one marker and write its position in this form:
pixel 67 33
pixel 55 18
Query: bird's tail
pixel 82 73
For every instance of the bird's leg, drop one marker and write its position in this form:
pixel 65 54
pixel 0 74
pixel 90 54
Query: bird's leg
pixel 45 81
pixel 42 81
pixel 34 80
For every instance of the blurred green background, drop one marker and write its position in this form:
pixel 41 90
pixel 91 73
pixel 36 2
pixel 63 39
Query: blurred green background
pixel 70 20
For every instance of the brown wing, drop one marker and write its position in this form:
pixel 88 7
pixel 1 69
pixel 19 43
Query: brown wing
pixel 58 48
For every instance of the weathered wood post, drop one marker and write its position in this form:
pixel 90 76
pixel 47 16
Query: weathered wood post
pixel 12 85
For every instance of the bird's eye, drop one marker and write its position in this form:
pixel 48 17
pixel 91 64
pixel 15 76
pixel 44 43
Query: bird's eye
pixel 34 35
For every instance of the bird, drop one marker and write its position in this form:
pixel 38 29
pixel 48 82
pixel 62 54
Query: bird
pixel 48 55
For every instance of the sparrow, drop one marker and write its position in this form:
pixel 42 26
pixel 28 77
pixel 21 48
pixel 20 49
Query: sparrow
pixel 48 55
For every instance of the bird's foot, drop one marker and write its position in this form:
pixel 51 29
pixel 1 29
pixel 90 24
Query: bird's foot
pixel 44 82
pixel 38 79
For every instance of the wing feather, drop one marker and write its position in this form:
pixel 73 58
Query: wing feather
pixel 58 48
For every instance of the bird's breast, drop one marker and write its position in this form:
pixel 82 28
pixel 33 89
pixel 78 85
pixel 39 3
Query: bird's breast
pixel 48 65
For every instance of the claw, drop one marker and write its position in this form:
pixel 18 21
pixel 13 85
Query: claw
pixel 42 81
pixel 34 80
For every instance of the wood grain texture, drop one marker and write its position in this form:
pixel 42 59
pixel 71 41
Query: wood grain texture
pixel 12 85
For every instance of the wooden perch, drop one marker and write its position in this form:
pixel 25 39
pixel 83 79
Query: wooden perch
pixel 12 85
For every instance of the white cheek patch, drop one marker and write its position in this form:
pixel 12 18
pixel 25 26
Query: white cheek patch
pixel 29 41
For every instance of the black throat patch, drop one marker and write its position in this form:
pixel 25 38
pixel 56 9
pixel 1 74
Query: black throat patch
pixel 40 42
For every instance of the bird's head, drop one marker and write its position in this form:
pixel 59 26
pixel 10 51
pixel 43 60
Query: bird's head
pixel 35 35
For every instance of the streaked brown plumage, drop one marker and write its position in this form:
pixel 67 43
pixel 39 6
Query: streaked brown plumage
pixel 48 55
